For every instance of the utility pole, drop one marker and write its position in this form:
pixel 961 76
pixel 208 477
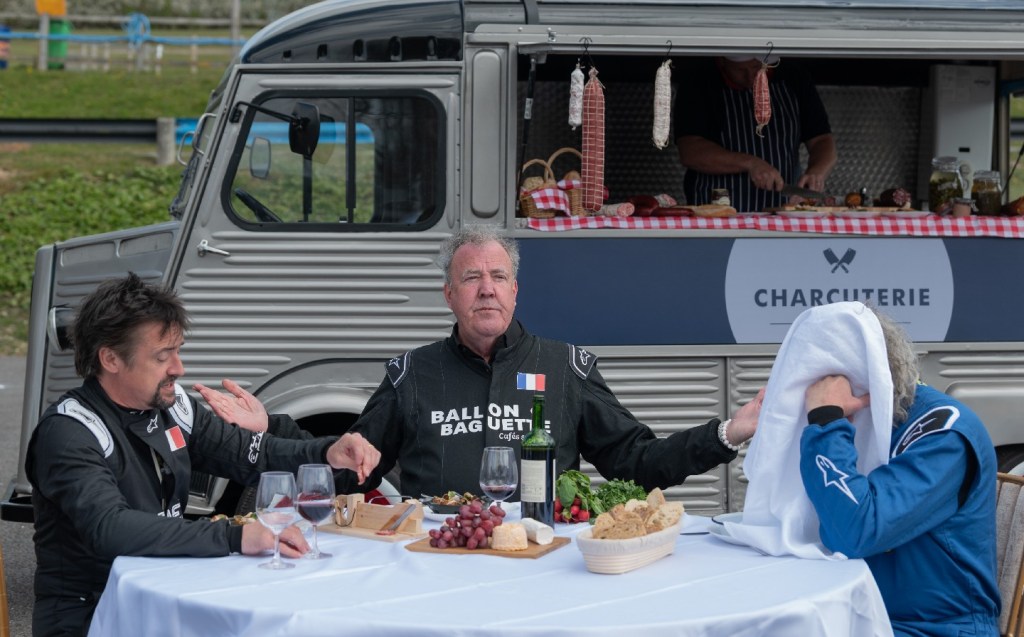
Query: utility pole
pixel 236 22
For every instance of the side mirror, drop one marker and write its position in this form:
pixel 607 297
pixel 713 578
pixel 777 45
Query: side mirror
pixel 304 129
pixel 259 158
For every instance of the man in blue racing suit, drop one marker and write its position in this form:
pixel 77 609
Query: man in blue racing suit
pixel 924 522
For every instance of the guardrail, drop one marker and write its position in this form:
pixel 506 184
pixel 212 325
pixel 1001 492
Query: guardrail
pixel 165 132
pixel 137 39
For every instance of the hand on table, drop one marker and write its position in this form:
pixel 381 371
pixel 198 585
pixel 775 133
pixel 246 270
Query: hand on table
pixel 239 407
pixel 354 452
pixel 835 390
pixel 257 538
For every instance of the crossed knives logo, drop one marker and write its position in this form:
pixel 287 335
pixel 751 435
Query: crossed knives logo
pixel 836 262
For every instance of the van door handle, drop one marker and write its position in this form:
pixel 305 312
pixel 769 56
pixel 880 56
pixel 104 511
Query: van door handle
pixel 204 247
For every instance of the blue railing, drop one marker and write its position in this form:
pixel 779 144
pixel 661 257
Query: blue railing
pixel 277 133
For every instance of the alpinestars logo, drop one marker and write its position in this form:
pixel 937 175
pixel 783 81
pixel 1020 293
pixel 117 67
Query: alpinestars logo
pixel 834 476
pixel 837 262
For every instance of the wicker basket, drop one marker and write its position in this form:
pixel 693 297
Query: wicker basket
pixel 526 203
pixel 575 194
pixel 621 556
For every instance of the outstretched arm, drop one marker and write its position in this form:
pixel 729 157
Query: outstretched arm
pixel 238 406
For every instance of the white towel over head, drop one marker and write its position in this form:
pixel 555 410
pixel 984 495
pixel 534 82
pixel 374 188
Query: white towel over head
pixel 837 339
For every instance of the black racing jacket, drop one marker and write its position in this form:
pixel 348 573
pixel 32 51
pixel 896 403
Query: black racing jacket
pixel 99 492
pixel 440 405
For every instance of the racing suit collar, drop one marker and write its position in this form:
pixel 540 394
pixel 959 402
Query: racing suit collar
pixel 512 335
pixel 128 416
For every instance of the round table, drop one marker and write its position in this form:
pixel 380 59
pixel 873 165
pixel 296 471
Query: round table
pixel 705 588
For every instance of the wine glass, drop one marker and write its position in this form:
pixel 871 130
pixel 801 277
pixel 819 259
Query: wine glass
pixel 316 500
pixel 499 473
pixel 275 508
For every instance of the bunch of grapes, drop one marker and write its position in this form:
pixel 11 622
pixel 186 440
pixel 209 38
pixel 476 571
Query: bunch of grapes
pixel 470 529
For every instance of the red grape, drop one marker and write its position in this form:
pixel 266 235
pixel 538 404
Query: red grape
pixel 470 529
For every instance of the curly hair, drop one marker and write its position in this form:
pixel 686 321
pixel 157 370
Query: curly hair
pixel 475 235
pixel 902 365
pixel 112 315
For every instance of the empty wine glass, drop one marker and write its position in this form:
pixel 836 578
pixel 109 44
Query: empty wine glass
pixel 499 473
pixel 275 508
pixel 316 500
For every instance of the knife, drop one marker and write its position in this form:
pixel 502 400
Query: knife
pixel 806 193
pixel 389 529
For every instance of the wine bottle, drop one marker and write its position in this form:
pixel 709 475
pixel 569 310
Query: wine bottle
pixel 537 482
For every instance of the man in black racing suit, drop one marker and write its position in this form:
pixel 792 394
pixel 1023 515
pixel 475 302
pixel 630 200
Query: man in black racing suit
pixel 441 404
pixel 110 462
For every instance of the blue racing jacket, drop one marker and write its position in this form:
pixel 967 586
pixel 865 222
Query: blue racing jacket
pixel 925 522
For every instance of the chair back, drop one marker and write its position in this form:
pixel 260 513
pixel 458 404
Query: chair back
pixel 1010 552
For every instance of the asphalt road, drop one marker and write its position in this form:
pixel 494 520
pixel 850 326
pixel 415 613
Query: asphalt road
pixel 15 537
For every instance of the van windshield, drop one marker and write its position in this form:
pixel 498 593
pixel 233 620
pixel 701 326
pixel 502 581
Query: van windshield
pixel 378 162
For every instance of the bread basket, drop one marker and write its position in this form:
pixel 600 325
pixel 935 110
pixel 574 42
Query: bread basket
pixel 526 203
pixel 575 194
pixel 621 556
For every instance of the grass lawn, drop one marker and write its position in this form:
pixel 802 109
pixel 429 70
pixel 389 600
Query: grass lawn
pixel 50 192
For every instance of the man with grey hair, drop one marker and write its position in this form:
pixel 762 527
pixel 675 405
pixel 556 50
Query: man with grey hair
pixel 925 521
pixel 441 404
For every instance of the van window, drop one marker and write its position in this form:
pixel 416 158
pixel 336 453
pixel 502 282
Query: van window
pixel 378 162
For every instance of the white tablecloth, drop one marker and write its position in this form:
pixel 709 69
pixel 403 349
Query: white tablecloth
pixel 707 587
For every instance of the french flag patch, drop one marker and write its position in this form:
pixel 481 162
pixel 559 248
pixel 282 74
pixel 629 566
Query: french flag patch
pixel 534 382
pixel 175 438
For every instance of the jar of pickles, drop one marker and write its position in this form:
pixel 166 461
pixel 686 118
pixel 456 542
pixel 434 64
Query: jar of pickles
pixel 945 184
pixel 987 192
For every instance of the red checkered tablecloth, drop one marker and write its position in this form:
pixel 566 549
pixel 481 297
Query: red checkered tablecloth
pixel 548 198
pixel 927 226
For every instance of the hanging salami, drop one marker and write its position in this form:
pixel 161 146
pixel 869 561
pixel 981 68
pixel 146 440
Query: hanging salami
pixel 576 98
pixel 662 104
pixel 593 143
pixel 762 100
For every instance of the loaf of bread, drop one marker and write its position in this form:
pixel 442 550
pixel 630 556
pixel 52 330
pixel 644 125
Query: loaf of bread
pixel 638 517
pixel 713 210
pixel 509 537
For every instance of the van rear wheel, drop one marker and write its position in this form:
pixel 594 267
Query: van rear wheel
pixel 1011 459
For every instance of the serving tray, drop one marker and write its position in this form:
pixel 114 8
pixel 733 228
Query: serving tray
pixel 532 551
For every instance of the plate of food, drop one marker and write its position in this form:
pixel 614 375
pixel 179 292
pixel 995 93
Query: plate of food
pixel 442 513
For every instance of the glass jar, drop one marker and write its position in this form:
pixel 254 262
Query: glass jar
pixel 987 192
pixel 945 184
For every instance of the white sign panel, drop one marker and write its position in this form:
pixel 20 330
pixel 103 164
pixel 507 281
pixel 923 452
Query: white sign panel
pixel 770 281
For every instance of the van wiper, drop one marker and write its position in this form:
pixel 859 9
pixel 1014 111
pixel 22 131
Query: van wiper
pixel 263 213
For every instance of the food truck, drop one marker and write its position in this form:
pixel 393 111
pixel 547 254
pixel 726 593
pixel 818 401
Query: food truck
pixel 349 138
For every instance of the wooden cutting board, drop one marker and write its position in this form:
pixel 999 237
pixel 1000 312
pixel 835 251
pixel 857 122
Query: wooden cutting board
pixel 370 534
pixel 532 551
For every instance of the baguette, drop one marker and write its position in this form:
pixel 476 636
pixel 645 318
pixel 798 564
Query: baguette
pixel 713 210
